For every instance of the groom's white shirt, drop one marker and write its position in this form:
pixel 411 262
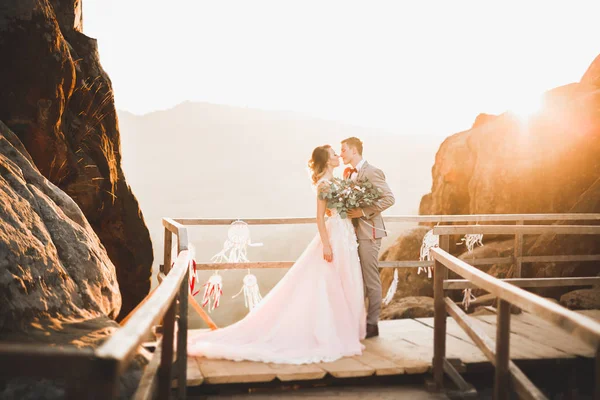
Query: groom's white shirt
pixel 358 167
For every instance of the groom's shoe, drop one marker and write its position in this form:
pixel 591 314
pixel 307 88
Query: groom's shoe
pixel 372 330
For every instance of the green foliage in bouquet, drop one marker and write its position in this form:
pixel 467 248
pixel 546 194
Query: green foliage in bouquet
pixel 346 194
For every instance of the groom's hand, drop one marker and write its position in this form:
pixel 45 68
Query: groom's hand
pixel 356 213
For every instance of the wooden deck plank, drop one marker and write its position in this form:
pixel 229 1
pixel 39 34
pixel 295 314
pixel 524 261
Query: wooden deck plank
pixel 225 371
pixel 555 338
pixel 403 347
pixel 552 335
pixel 456 347
pixel 521 348
pixel 194 376
pixel 381 365
pixel 347 367
pixel 288 372
pixel 452 329
pixel 391 344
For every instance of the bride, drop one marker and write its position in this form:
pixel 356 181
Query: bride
pixel 316 313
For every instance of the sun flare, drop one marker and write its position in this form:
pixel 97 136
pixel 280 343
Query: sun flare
pixel 527 106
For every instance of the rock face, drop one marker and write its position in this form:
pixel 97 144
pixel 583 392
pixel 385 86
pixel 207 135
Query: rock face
pixel 52 264
pixel 547 163
pixel 509 164
pixel 55 96
pixel 57 284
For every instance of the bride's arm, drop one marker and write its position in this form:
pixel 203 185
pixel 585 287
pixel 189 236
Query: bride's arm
pixel 321 208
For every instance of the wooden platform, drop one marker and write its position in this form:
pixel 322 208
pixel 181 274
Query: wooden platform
pixel 403 347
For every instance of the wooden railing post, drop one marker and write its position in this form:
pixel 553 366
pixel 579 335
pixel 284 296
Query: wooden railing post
pixel 167 252
pixel 597 374
pixel 164 372
pixel 518 251
pixel 502 380
pixel 439 325
pixel 445 245
pixel 182 338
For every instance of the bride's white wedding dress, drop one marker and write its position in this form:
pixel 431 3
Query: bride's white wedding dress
pixel 315 313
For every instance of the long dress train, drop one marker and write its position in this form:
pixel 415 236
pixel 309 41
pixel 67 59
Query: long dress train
pixel 315 313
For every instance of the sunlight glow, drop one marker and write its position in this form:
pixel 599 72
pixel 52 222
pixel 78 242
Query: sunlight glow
pixel 527 106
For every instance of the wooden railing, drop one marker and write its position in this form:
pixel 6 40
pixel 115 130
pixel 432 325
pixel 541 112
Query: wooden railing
pixel 517 258
pixel 508 292
pixel 445 232
pixel 94 373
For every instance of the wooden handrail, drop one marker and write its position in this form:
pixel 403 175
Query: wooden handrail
pixel 401 218
pixel 579 325
pixel 382 264
pixel 123 344
pixel 148 382
pixel 516 229
pixel 140 304
pixel 74 361
pixel 528 282
pixel 172 225
pixel 179 230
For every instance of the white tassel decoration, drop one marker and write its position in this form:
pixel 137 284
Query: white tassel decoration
pixel 472 239
pixel 467 298
pixel 392 290
pixel 429 241
pixel 213 289
pixel 251 291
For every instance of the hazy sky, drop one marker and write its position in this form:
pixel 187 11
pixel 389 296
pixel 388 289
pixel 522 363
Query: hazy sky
pixel 406 66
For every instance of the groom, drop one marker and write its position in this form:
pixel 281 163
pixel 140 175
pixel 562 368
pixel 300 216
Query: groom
pixel 370 228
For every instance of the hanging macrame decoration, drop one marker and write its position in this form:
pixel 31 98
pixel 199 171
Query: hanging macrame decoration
pixel 234 248
pixel 392 290
pixel 470 240
pixel 429 241
pixel 234 251
pixel 251 291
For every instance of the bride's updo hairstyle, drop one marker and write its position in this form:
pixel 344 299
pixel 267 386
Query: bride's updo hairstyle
pixel 318 162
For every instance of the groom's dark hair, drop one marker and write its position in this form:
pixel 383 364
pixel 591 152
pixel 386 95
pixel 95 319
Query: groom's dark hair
pixel 354 142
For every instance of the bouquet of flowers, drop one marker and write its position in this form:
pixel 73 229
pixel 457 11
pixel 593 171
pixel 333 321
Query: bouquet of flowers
pixel 346 194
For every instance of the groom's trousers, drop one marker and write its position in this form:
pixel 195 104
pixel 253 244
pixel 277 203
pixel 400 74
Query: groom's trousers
pixel 368 252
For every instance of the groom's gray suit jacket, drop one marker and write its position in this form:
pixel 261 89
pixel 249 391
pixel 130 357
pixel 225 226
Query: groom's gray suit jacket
pixel 373 213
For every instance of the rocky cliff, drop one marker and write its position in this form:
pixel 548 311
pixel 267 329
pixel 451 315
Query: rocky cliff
pixel 548 162
pixel 57 99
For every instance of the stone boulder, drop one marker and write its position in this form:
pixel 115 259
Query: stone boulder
pixel 52 264
pixel 57 284
pixel 582 299
pixel 406 248
pixel 408 307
